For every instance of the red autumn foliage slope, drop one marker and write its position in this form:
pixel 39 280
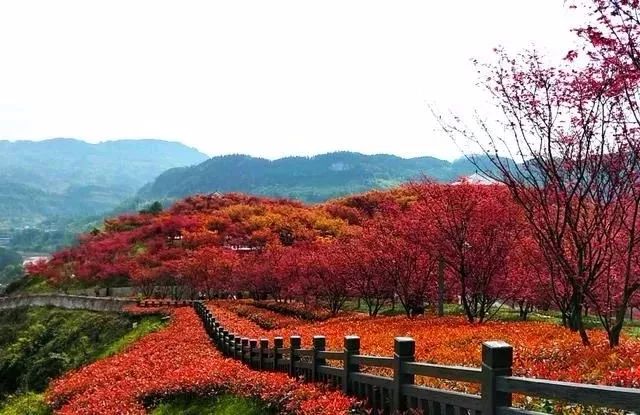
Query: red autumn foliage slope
pixel 180 359
pixel 541 350
pixel 378 247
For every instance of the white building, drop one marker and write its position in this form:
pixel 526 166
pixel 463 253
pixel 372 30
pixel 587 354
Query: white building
pixel 476 178
pixel 33 259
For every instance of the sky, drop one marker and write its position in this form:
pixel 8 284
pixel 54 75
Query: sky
pixel 265 78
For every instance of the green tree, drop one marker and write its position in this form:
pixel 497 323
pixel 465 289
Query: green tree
pixel 10 273
pixel 153 209
pixel 9 257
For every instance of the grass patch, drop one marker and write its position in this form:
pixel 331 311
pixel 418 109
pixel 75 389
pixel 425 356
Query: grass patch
pixel 221 405
pixel 29 403
pixel 40 343
pixel 29 285
pixel 385 310
pixel 36 284
pixel 633 331
pixel 147 325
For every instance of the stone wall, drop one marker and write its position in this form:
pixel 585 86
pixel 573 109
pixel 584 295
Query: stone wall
pixel 159 291
pixel 67 301
pixel 102 292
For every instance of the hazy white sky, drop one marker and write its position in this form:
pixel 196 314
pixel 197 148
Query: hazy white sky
pixel 267 78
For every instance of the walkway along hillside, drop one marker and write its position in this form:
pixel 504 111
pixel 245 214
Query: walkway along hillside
pixel 71 302
pixel 83 302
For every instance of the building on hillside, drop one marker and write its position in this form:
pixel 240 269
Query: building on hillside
pixel 5 237
pixel 242 248
pixel 33 259
pixel 476 178
pixel 239 244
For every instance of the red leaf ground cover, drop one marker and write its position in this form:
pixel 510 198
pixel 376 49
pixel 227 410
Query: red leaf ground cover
pixel 180 359
pixel 264 318
pixel 541 350
pixel 298 310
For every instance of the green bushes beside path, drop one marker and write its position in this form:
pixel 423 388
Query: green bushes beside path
pixel 41 343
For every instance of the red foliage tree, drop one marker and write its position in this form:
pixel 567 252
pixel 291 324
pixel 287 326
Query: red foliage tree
pixel 324 266
pixel 475 229
pixel 366 278
pixel 573 134
pixel 207 270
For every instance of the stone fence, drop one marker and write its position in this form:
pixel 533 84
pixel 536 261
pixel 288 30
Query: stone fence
pixel 67 301
pixel 349 370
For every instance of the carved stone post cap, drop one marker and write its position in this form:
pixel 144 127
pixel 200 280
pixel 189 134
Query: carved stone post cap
pixel 404 346
pixel 352 342
pixel 497 354
pixel 295 341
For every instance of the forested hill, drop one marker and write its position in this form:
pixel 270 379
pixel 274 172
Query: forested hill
pixel 68 177
pixel 310 179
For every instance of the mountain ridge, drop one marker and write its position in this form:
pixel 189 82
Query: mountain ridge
pixel 67 177
pixel 308 178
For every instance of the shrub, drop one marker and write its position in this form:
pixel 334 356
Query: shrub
pixel 299 310
pixel 180 360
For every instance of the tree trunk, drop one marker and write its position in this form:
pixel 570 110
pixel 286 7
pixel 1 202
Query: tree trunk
pixel 524 308
pixel 583 335
pixel 441 287
pixel 467 310
pixel 614 335
pixel 575 318
pixel 482 308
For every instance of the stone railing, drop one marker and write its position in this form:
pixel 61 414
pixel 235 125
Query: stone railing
pixel 67 301
pixel 400 392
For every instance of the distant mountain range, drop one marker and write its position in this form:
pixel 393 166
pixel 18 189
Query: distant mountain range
pixel 311 179
pixel 40 180
pixel 63 186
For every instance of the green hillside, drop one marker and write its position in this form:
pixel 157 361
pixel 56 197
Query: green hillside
pixel 10 266
pixel 41 343
pixel 310 179
pixel 66 178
